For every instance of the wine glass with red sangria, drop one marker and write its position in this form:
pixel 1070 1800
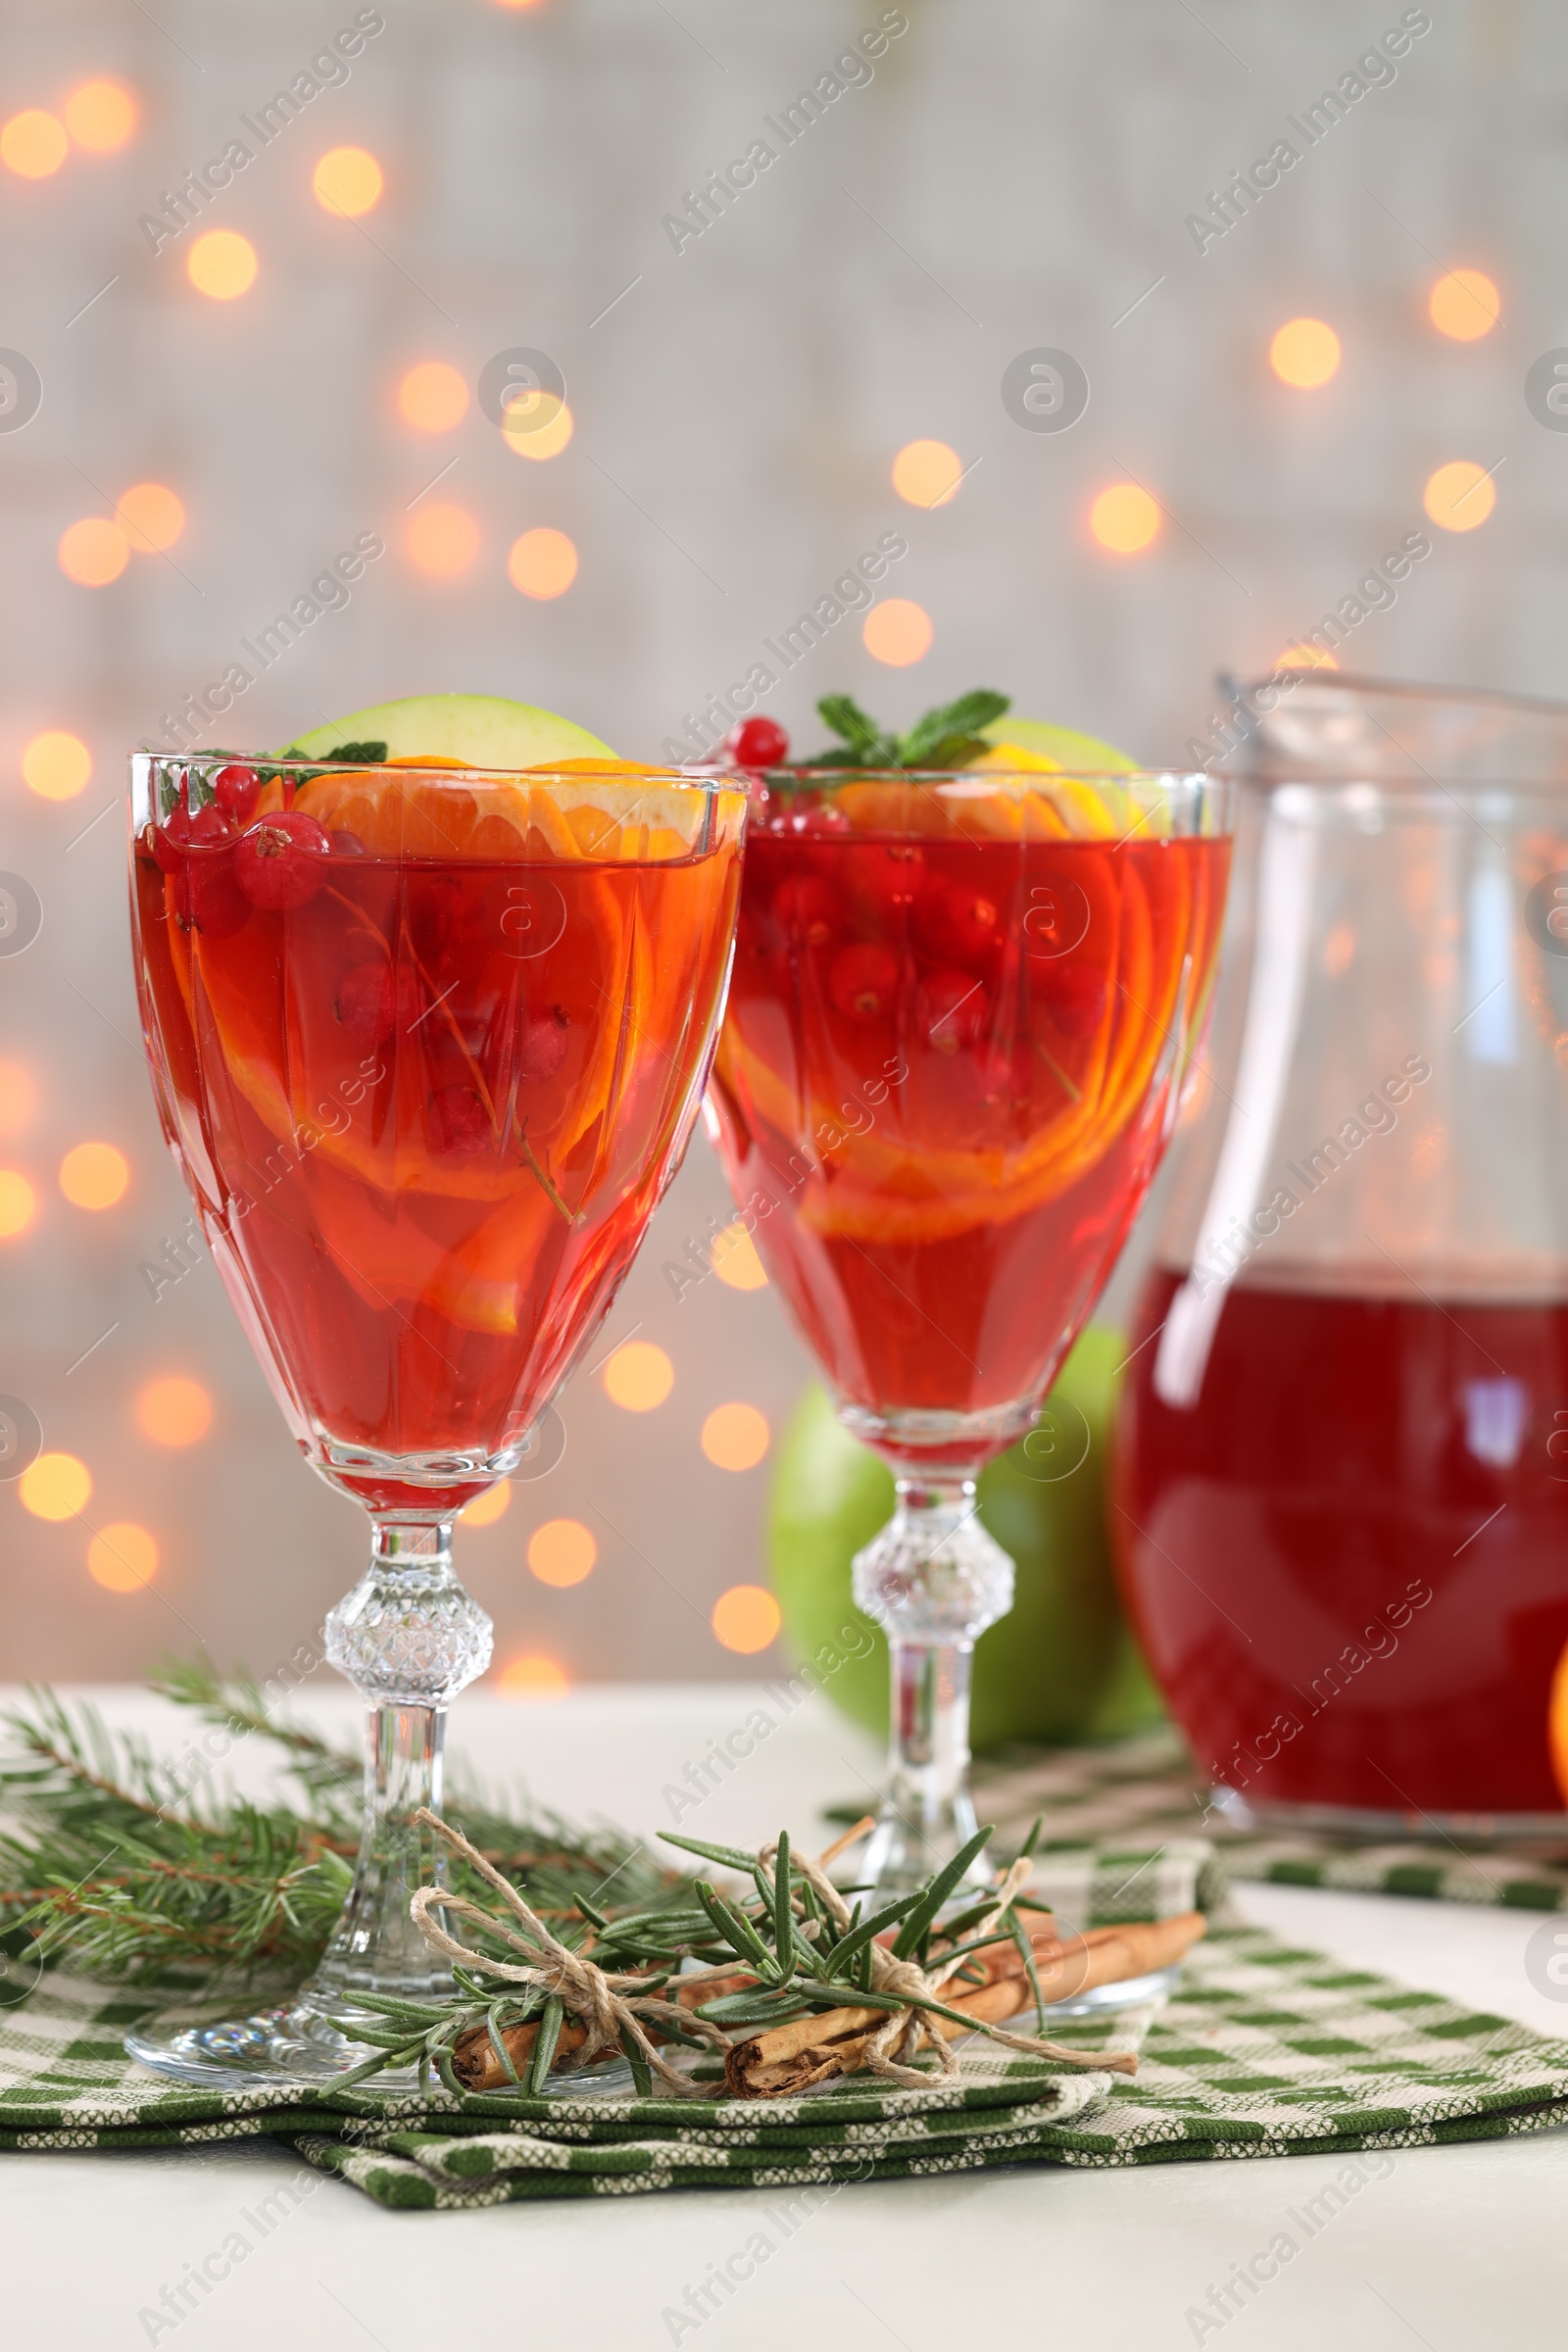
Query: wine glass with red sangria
pixel 971 969
pixel 429 1001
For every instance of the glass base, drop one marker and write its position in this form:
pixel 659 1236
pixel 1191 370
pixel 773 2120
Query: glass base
pixel 1371 1826
pixel 1104 2000
pixel 295 2044
pixel 904 1849
pixel 297 2047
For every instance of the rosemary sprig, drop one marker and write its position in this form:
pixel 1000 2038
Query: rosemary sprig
pixel 551 1190
pixel 778 1941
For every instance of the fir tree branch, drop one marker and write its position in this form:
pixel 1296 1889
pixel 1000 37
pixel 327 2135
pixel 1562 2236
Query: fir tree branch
pixel 106 1864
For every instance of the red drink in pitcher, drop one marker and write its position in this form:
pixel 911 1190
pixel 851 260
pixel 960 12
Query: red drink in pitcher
pixel 1400 1449
pixel 1344 1522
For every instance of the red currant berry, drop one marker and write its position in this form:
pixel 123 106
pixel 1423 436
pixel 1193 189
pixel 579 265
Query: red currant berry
pixel 807 913
pixel 182 828
pixel 208 827
pixel 953 1010
pixel 370 1005
pixel 281 863
pixel 1076 998
pixel 864 982
pixel 364 1004
pixel 219 907
pixel 236 789
pixel 956 924
pixel 459 1121
pixel 544 1045
pixel 758 743
pixel 886 881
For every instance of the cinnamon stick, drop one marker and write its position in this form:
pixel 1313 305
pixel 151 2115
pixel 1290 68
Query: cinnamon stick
pixel 793 2058
pixel 477 2066
pixel 831 2042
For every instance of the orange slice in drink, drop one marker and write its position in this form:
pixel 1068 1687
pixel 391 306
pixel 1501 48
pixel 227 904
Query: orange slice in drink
pixel 1008 793
pixel 907 1176
pixel 568 835
pixel 393 814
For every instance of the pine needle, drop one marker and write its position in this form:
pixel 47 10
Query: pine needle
pixel 138 1870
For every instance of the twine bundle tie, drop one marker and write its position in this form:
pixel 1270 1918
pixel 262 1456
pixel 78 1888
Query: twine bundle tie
pixel 609 2006
pixel 909 2030
pixel 614 2009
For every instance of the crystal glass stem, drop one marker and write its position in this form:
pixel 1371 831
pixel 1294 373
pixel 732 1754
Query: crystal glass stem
pixel 409 1639
pixel 933 1579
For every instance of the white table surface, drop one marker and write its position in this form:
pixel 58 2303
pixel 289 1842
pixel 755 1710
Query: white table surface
pixel 1452 2248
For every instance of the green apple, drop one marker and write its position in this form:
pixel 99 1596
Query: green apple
pixel 479 729
pixel 1061 744
pixel 1063 1665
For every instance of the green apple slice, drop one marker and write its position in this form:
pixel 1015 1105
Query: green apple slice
pixel 481 730
pixel 1083 754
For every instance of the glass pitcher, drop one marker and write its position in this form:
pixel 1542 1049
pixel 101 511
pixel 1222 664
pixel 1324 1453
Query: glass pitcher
pixel 1342 1478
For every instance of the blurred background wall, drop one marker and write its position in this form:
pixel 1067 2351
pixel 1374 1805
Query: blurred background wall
pixel 294 358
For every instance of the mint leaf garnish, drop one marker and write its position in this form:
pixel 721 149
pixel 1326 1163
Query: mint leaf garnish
pixel 957 724
pixel 947 737
pixel 359 754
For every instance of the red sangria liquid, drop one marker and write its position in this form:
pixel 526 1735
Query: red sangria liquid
pixel 945 1080
pixel 1348 1561
pixel 429 1057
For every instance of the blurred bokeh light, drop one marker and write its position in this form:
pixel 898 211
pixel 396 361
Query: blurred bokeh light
pixel 561 1553
pixel 736 1262
pixel 539 426
pixel 735 1436
pixel 56 766
pixel 442 539
pixel 897 631
pixel 93 552
pixel 926 474
pixel 1305 657
pixel 1459 496
pixel 123 1558
pixel 101 115
pixel 542 564
pixel 151 515
pixel 432 397
pixel 1305 352
pixel 485 1509
pixel 94 1175
pixel 533 1677
pixel 639 1376
pixel 173 1410
pixel 1124 519
pixel 57 1485
pixel 34 144
pixel 18 1204
pixel 745 1618
pixel 222 264
pixel 18 1098
pixel 348 180
pixel 1465 304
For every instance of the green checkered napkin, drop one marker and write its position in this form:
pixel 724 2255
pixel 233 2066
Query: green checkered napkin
pixel 1264 2050
pixel 1144 1791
